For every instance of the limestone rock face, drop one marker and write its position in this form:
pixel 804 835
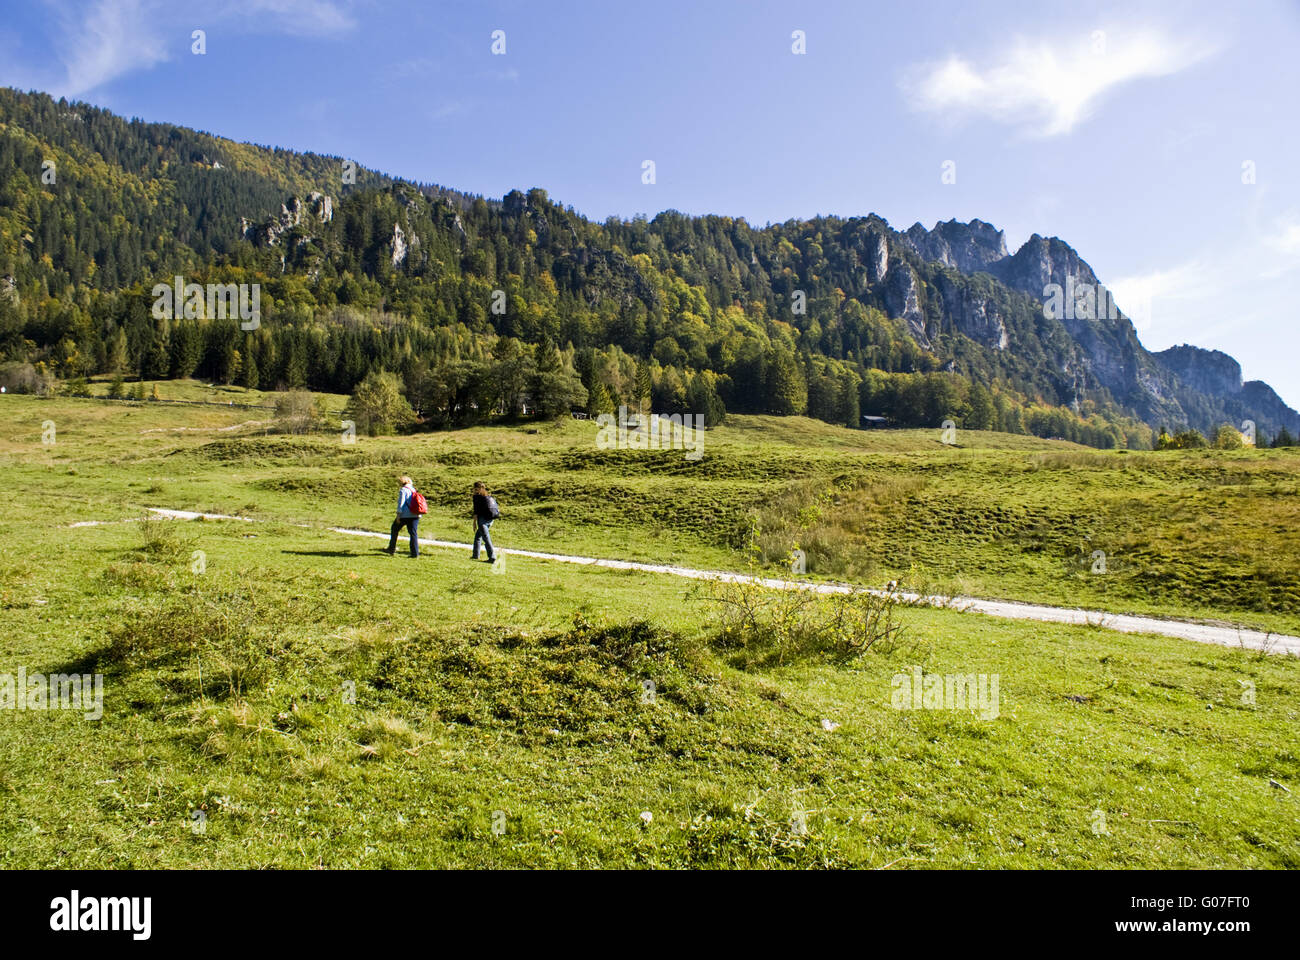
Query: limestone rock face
pixel 902 297
pixel 1040 262
pixel 318 207
pixel 967 247
pixel 399 245
pixel 323 207
pixel 1209 371
pixel 1102 349
pixel 877 256
pixel 971 313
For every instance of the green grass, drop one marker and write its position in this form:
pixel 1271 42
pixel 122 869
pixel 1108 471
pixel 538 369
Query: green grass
pixel 1194 534
pixel 197 391
pixel 325 704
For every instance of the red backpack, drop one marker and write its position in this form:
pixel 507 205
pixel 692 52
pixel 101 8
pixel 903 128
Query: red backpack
pixel 418 504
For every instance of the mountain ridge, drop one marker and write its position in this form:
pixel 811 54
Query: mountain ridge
pixel 674 290
pixel 1125 366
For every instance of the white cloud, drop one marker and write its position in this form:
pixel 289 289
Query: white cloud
pixel 1043 87
pixel 304 18
pixel 449 108
pixel 114 37
pixel 1148 296
pixel 1236 297
pixel 1287 240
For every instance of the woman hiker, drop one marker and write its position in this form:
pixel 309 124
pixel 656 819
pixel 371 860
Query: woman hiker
pixel 485 511
pixel 407 516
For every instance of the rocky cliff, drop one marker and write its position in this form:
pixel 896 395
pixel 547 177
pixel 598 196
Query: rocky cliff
pixel 1182 385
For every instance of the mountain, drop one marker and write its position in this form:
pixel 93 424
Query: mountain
pixel 1111 353
pixel 1211 375
pixel 360 270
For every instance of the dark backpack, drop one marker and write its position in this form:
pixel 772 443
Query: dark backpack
pixel 417 504
pixel 494 511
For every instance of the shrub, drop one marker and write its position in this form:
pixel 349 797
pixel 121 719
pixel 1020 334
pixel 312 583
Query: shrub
pixel 25 378
pixel 377 405
pixel 161 539
pixel 587 681
pixel 298 411
pixel 1188 439
pixel 1227 437
pixel 223 639
pixel 770 626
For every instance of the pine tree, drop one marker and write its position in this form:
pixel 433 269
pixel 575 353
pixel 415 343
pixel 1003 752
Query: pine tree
pixel 249 377
pixel 117 359
pixel 787 392
pixel 848 409
pixel 702 400
pixel 644 385
pixel 983 414
pixel 598 399
pixel 555 387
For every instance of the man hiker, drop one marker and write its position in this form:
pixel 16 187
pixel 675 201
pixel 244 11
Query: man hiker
pixel 408 515
pixel 485 511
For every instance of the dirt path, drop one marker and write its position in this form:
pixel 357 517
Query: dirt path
pixel 1124 623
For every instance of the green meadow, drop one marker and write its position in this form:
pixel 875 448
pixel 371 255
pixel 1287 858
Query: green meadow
pixel 279 695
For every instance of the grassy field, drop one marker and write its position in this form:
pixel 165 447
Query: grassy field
pixel 1211 535
pixel 278 695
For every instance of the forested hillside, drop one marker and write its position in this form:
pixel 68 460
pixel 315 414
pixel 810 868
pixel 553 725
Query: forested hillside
pixel 483 307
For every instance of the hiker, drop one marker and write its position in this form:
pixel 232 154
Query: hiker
pixel 485 511
pixel 408 515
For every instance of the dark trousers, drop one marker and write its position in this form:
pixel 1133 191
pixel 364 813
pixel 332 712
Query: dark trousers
pixel 413 523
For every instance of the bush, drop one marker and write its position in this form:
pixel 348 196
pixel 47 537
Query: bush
pixel 221 638
pixel 377 405
pixel 1227 437
pixel 1183 440
pixel 161 539
pixel 588 681
pixel 298 411
pixel 24 378
pixel 766 626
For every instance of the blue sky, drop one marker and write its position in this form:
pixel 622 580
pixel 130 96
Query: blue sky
pixel 1122 128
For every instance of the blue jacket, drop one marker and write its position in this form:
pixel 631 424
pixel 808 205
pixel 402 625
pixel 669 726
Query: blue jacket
pixel 403 502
